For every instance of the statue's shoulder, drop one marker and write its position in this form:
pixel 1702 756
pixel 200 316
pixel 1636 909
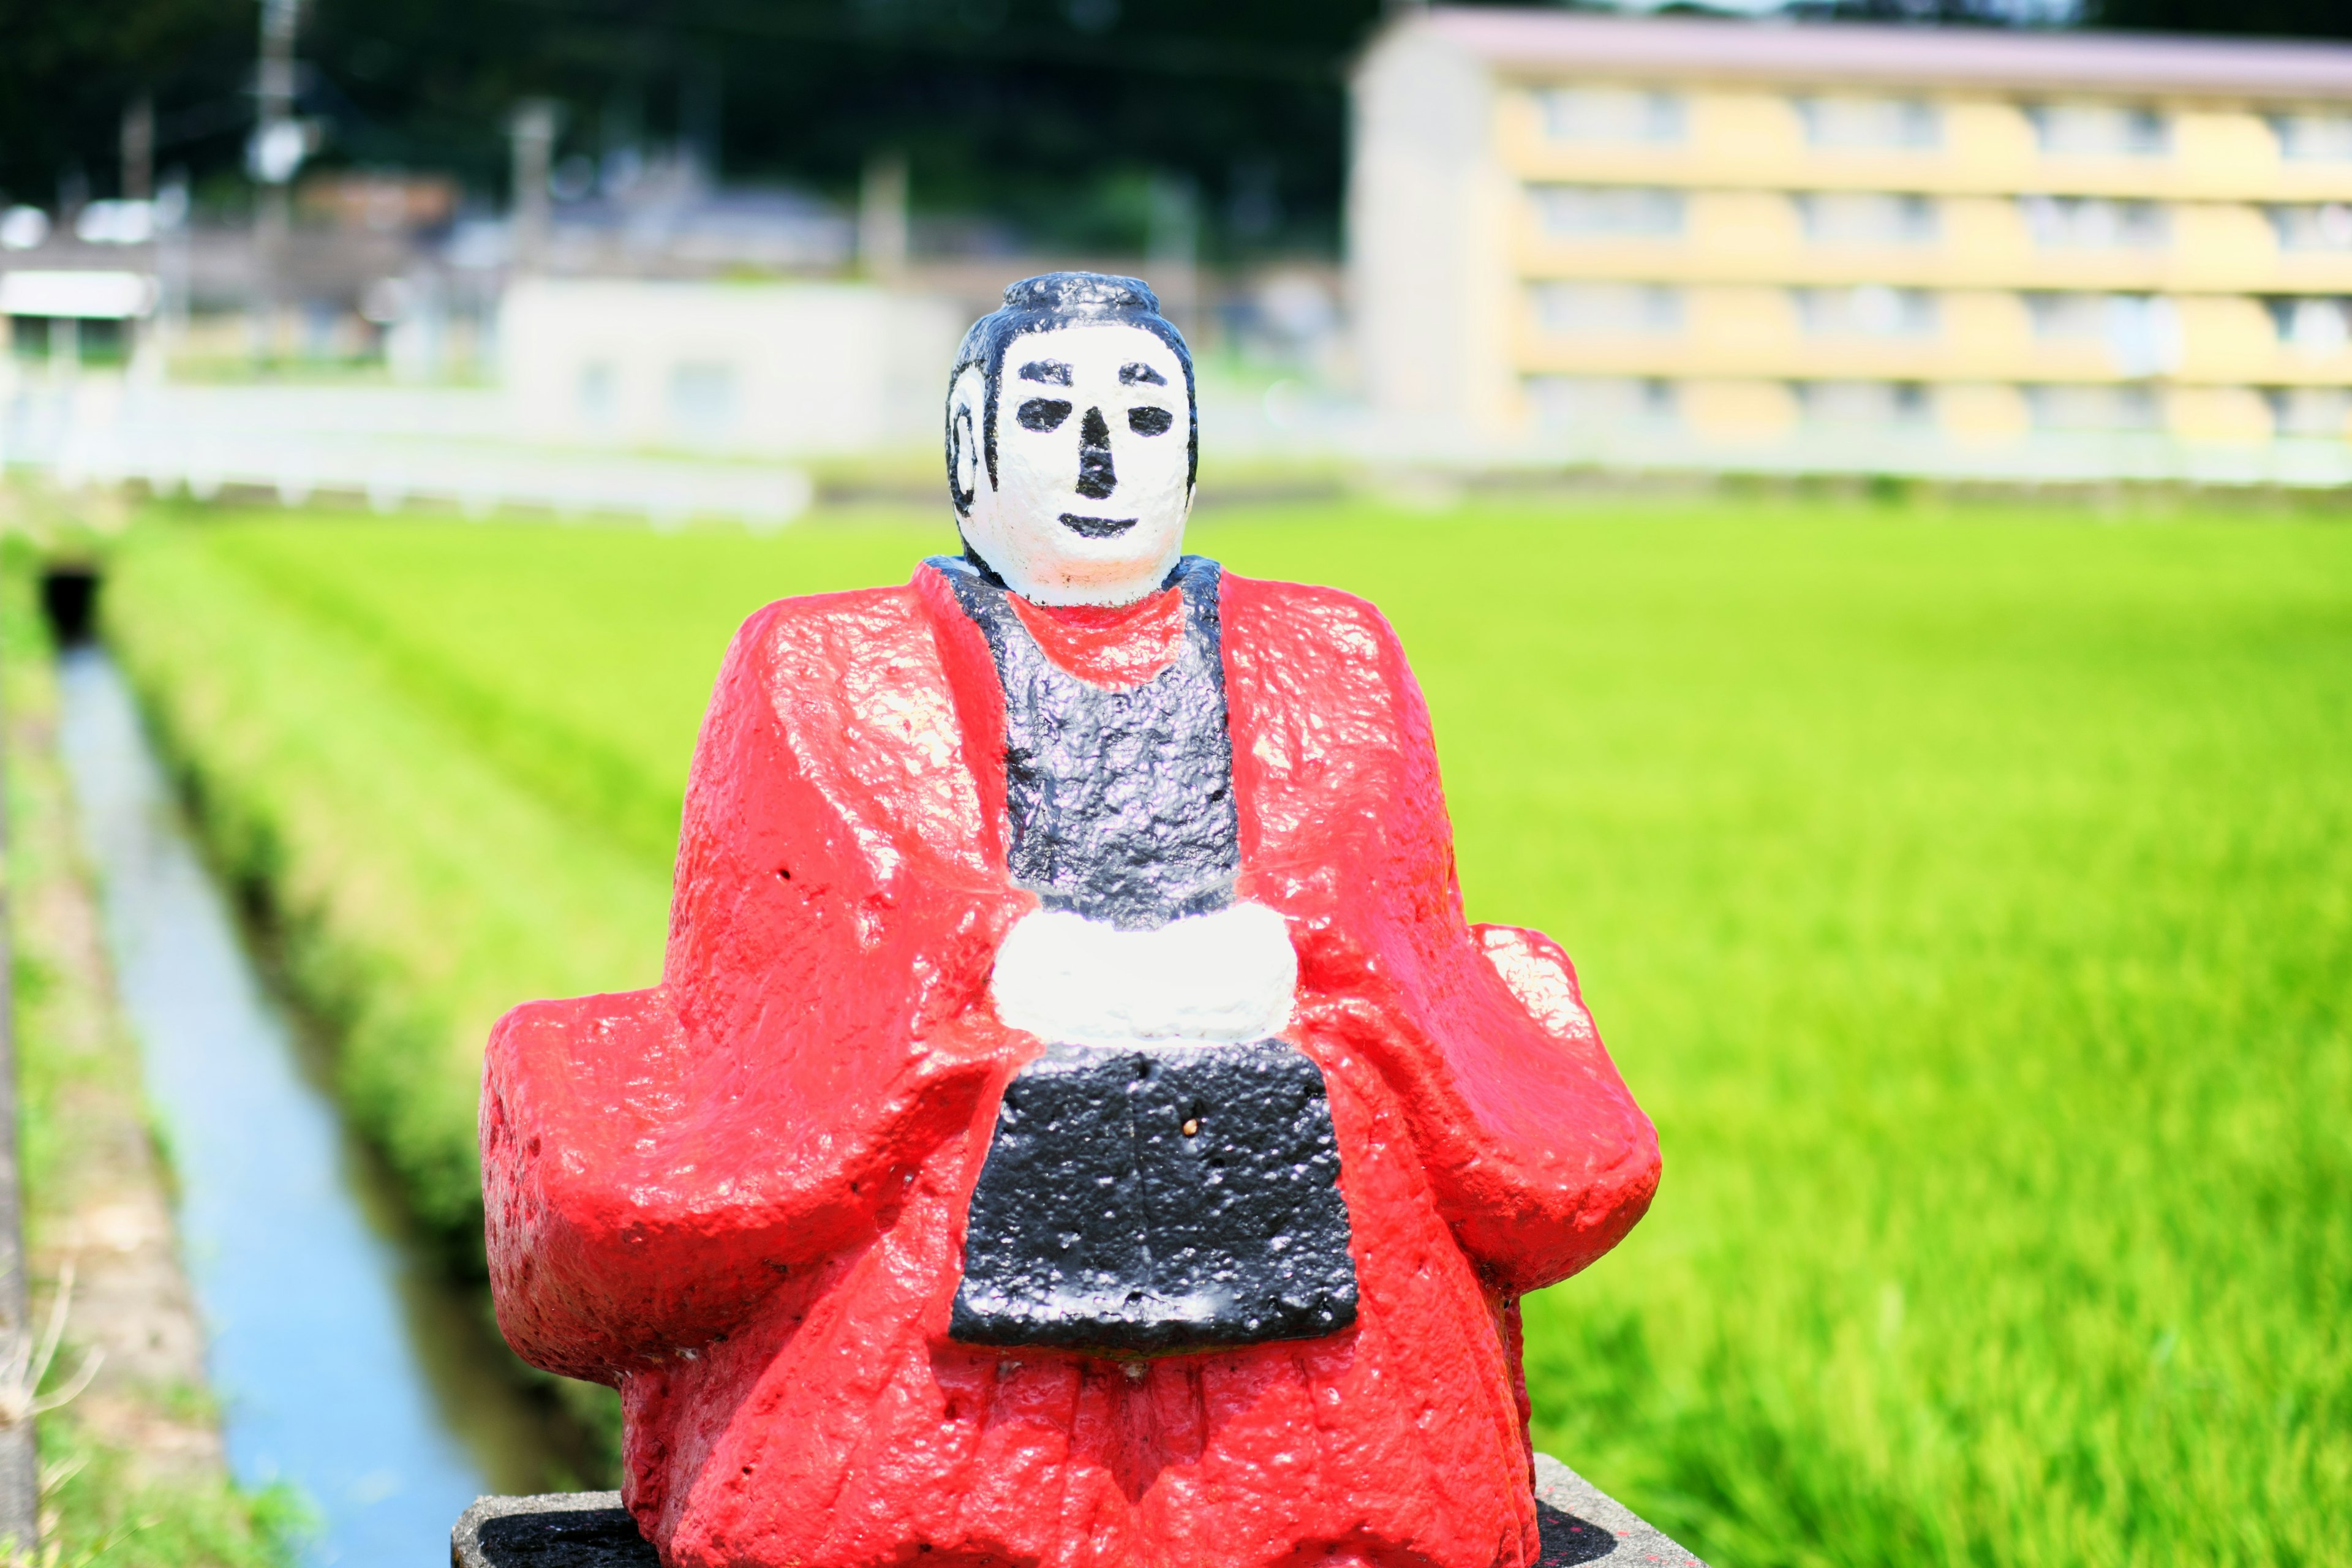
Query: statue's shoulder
pixel 813 655
pixel 1324 708
pixel 830 617
pixel 1308 627
pixel 815 631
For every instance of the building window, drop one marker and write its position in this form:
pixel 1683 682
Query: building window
pixel 1867 310
pixel 1603 309
pixel 2141 333
pixel 1866 218
pixel 2324 411
pixel 1870 123
pixel 2095 222
pixel 2100 130
pixel 2063 317
pixel 2316 327
pixel 1598 212
pixel 2094 406
pixel 2313 225
pixel 1567 402
pixel 2326 137
pixel 598 390
pixel 1610 114
pixel 701 399
pixel 1877 403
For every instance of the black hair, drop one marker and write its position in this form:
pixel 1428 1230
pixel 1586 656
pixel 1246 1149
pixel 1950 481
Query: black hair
pixel 1043 304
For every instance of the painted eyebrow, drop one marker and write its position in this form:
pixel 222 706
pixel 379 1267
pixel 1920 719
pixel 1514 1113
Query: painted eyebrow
pixel 1053 372
pixel 1128 374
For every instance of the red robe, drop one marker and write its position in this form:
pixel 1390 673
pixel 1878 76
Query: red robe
pixel 739 1196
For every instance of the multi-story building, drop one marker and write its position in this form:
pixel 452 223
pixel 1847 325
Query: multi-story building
pixel 1847 248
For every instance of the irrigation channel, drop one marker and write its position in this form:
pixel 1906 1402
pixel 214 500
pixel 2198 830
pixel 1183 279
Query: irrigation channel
pixel 346 1362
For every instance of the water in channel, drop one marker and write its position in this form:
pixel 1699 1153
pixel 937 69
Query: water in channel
pixel 345 1362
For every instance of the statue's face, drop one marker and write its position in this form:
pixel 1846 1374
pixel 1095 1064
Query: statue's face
pixel 1092 470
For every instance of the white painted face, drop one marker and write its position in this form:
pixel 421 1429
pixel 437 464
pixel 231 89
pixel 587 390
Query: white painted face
pixel 1093 480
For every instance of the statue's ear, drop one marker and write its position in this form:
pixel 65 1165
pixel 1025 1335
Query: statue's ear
pixel 967 467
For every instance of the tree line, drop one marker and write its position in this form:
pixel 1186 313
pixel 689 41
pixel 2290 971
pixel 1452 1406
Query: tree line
pixel 1054 115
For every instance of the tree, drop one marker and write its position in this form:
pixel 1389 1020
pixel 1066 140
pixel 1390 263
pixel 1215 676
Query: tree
pixel 2279 18
pixel 68 71
pixel 1047 110
pixel 1030 108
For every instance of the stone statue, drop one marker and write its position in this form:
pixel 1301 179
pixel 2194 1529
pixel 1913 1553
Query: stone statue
pixel 1076 1124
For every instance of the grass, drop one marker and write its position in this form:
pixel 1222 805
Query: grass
pixel 101 1510
pixel 104 1502
pixel 1966 893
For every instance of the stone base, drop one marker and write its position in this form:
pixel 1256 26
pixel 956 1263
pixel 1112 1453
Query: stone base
pixel 553 1530
pixel 592 1529
pixel 1581 1523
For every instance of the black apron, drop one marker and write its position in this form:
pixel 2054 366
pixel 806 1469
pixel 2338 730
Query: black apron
pixel 1143 1199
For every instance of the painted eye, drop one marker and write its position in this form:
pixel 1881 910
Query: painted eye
pixel 1150 421
pixel 1043 414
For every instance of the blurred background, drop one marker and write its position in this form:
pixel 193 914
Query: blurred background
pixel 1994 242
pixel 1862 484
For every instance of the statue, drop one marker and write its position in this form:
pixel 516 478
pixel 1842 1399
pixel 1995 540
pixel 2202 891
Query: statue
pixel 1076 1124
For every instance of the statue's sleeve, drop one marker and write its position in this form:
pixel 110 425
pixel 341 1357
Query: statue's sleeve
pixel 657 1164
pixel 1532 1145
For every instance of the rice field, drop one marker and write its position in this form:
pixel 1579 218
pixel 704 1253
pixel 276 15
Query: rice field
pixel 1965 891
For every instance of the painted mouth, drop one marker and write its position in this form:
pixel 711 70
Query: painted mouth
pixel 1097 527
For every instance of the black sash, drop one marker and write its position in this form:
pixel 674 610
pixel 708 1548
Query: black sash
pixel 1143 1199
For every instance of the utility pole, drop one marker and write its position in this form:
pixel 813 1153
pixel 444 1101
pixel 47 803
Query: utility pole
pixel 530 217
pixel 882 218
pixel 272 157
pixel 139 149
pixel 1172 250
pixel 138 144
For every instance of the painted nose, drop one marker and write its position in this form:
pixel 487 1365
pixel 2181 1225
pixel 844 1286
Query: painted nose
pixel 1096 478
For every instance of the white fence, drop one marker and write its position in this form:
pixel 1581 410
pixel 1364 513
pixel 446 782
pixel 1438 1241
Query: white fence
pixel 390 447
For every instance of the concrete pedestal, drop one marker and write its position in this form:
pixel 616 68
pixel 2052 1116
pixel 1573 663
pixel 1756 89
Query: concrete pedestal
pixel 591 1530
pixel 1581 1523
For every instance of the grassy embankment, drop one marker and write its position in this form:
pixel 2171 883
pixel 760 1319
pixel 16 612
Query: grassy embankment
pixel 132 1476
pixel 1966 894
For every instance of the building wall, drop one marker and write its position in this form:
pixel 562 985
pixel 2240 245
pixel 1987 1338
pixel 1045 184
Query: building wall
pixel 1732 265
pixel 1426 207
pixel 758 369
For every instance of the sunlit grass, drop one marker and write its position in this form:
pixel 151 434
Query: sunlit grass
pixel 1965 893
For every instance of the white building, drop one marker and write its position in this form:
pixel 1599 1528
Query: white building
pixel 766 369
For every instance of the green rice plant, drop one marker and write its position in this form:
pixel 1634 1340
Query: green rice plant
pixel 1970 900
pixel 415 888
pixel 1967 892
